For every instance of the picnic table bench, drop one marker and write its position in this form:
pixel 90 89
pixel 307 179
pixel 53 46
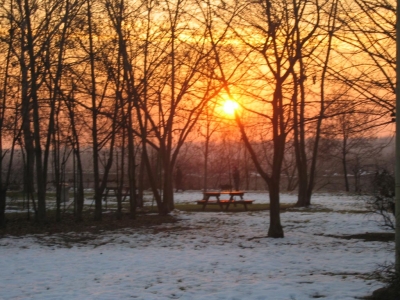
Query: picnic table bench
pixel 227 202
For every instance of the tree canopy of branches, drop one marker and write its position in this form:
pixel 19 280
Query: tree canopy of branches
pixel 126 82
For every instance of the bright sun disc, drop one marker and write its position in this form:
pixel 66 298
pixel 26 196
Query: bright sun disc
pixel 230 107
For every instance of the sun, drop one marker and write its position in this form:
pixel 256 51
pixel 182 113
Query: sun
pixel 230 107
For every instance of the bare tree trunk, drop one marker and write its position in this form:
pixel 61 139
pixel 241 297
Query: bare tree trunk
pixel 273 181
pixel 275 228
pixel 131 163
pixel 344 164
pixel 305 161
pixel 95 146
pixel 141 181
pixel 121 175
pixel 70 104
pixel 206 150
pixel 299 144
pixel 26 129
pixel 41 173
pixel 80 192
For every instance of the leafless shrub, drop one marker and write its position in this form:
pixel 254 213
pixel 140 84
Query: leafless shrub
pixel 387 274
pixel 383 200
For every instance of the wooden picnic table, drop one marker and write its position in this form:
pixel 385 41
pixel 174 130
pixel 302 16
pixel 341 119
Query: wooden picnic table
pixel 221 202
pixel 112 190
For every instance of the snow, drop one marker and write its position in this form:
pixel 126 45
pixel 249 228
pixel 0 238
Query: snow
pixel 206 255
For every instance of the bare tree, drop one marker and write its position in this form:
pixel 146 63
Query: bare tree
pixel 307 127
pixel 276 50
pixel 118 12
pixel 354 145
pixel 35 29
pixel 9 120
pixel 55 65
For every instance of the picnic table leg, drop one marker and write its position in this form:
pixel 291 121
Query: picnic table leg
pixel 105 197
pixel 125 193
pixel 232 199
pixel 220 204
pixel 229 202
pixel 205 203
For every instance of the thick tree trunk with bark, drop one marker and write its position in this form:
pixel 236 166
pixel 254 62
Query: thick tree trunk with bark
pixel 168 196
pixel 345 172
pixel 275 227
pixel 80 197
pixel 131 164
pixel 141 177
pixel 98 209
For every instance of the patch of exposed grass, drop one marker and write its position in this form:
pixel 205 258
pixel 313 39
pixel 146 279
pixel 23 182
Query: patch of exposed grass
pixel 19 224
pixel 317 295
pixel 362 212
pixel 310 209
pixel 232 208
pixel 368 236
pixel 216 208
pixel 324 210
pixel 173 228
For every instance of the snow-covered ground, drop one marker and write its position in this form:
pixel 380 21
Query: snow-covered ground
pixel 206 256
